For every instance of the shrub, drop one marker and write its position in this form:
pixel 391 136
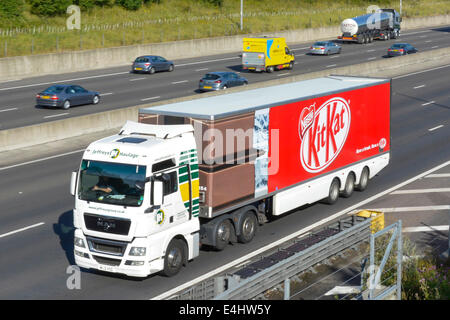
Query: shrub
pixel 49 7
pixel 130 4
pixel 11 9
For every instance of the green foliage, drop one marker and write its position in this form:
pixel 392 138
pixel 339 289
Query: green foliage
pixel 218 3
pixel 130 4
pixel 49 7
pixel 11 9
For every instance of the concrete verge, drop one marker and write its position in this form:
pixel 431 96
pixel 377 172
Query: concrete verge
pixel 92 123
pixel 43 64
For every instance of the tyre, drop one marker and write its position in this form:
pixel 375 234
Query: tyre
pixel 333 193
pixel 247 227
pixel 152 70
pixel 224 87
pixel 223 234
pixel 291 65
pixel 66 104
pixel 175 257
pixel 349 186
pixel 171 68
pixel 363 180
pixel 269 69
pixel 96 99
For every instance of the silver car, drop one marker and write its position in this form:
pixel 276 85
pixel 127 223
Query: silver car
pixel 325 48
pixel 64 96
pixel 214 81
pixel 151 64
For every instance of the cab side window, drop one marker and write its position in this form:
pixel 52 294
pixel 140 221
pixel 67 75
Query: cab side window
pixel 171 181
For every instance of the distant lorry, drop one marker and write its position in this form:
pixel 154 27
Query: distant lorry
pixel 266 54
pixel 383 24
pixel 210 171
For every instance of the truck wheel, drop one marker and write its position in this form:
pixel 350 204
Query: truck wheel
pixel 247 227
pixel 223 234
pixel 349 185
pixel 175 257
pixel 333 194
pixel 363 180
pixel 269 69
pixel 291 65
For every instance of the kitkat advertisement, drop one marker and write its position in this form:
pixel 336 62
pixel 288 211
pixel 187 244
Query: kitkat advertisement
pixel 323 134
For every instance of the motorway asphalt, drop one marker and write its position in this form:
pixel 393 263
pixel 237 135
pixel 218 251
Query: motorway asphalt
pixel 36 229
pixel 120 88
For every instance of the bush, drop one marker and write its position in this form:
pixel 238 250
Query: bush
pixel 49 7
pixel 11 9
pixel 130 4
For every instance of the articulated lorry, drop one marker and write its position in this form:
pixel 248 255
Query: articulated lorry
pixel 383 24
pixel 266 54
pixel 210 171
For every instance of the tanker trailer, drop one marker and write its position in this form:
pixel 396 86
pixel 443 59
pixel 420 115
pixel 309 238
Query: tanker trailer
pixel 383 24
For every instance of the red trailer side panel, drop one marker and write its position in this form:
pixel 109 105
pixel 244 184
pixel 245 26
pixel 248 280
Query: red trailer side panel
pixel 320 135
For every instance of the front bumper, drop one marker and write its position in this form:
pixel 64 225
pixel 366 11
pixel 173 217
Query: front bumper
pixel 86 258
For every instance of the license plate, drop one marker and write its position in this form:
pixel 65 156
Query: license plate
pixel 395 50
pixel 251 68
pixel 317 49
pixel 207 87
pixel 45 97
pixel 137 68
pixel 107 268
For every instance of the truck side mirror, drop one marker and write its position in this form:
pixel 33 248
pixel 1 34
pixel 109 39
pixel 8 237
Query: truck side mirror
pixel 158 193
pixel 73 182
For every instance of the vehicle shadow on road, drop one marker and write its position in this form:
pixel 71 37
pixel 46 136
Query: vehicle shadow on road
pixel 65 230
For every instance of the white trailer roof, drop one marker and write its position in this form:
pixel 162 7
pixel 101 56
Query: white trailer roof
pixel 221 106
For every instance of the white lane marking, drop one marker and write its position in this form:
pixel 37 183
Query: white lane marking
pixel 182 81
pixel 433 190
pixel 42 159
pixel 371 50
pixel 343 290
pixel 66 80
pixel 282 74
pixel 106 94
pixel 151 98
pixel 293 235
pixel 10 109
pixel 137 79
pixel 435 128
pixel 372 58
pixel 408 209
pixel 421 86
pixel 21 229
pixel 427 103
pixel 202 69
pixel 205 61
pixel 335 56
pixel 331 65
pixel 299 48
pixel 439 175
pixel 414 73
pixel 422 36
pixel 434 47
pixel 56 115
pixel 427 41
pixel 425 229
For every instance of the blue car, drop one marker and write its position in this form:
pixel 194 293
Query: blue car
pixel 65 95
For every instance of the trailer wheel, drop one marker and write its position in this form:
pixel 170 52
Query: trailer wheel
pixel 333 194
pixel 363 180
pixel 349 185
pixel 175 257
pixel 223 234
pixel 247 228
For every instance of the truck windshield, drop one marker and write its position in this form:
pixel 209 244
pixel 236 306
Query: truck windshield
pixel 112 183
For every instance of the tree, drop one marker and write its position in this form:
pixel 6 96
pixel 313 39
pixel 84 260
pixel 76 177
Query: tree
pixel 11 9
pixel 130 4
pixel 49 7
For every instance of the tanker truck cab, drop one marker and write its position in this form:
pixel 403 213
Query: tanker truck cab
pixel 136 201
pixel 266 54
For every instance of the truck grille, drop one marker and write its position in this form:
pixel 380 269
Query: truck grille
pixel 107 261
pixel 107 224
pixel 116 248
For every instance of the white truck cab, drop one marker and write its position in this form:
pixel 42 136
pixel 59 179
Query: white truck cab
pixel 136 201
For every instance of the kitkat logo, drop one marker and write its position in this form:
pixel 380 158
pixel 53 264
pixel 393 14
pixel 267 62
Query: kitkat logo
pixel 323 133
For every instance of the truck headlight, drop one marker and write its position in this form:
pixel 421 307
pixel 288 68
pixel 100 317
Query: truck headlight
pixel 137 251
pixel 79 242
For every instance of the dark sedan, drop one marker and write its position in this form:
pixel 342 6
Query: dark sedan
pixel 220 80
pixel 65 96
pixel 401 49
pixel 152 64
